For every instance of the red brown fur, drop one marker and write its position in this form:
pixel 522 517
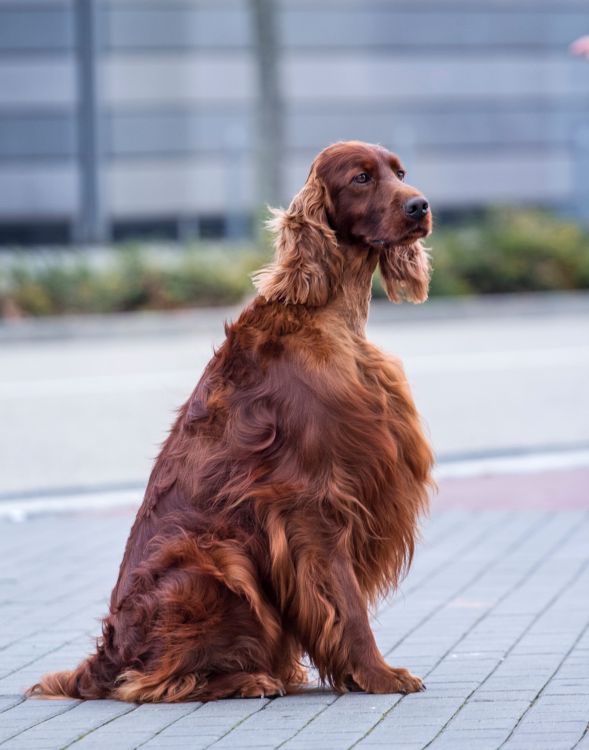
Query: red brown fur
pixel 286 497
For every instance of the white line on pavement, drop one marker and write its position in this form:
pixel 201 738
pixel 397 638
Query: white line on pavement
pixel 75 386
pixel 20 510
pixel 530 463
pixel 499 360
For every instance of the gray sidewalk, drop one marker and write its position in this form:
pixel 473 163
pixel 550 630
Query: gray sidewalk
pixel 494 615
pixel 489 376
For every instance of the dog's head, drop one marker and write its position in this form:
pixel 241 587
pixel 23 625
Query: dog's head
pixel 355 195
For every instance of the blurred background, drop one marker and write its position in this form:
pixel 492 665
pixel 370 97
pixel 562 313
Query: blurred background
pixel 134 118
pixel 130 124
pixel 140 142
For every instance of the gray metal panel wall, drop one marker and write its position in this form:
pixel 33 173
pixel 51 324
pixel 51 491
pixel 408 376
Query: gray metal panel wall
pixel 38 154
pixel 480 97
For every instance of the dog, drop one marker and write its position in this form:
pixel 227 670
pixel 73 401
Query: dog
pixel 287 496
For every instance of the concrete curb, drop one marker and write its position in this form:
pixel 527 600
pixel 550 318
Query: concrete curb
pixel 177 322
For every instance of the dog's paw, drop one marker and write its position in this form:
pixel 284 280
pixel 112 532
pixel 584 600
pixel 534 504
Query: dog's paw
pixel 385 680
pixel 262 686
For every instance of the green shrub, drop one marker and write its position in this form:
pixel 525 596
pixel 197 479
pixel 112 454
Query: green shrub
pixel 129 278
pixel 511 251
pixel 503 251
pixel 508 251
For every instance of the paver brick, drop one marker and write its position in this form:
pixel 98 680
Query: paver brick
pixel 492 616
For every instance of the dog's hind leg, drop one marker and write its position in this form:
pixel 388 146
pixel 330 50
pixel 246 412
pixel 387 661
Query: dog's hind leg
pixel 210 632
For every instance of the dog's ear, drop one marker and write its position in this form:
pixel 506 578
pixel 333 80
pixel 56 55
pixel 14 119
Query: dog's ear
pixel 405 272
pixel 307 266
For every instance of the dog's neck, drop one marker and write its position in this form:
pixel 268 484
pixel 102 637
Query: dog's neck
pixel 352 301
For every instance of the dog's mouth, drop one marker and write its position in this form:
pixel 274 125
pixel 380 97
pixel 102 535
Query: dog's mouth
pixel 412 235
pixel 408 238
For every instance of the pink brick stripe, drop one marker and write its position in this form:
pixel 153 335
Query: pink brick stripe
pixel 566 489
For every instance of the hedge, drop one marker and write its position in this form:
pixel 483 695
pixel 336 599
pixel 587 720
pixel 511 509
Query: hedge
pixel 501 251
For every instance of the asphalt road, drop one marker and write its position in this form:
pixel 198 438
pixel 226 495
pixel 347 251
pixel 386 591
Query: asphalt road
pixel 88 404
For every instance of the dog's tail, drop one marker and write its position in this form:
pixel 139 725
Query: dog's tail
pixel 94 678
pixel 56 685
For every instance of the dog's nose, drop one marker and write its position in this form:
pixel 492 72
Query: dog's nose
pixel 416 208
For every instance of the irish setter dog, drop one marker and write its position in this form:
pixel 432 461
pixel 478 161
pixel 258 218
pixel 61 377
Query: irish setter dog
pixel 286 497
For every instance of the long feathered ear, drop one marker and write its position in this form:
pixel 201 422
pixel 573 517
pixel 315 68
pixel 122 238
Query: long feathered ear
pixel 307 266
pixel 405 272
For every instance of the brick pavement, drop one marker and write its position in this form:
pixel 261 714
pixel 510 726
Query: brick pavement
pixel 494 614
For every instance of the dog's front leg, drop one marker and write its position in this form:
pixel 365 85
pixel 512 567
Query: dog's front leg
pixel 333 624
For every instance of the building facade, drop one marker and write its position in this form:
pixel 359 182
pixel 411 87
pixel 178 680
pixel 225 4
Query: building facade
pixel 122 117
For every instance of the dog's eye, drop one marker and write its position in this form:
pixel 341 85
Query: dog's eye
pixel 362 178
pixel 401 174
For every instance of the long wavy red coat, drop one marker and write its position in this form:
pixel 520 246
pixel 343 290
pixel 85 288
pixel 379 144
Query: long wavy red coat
pixel 287 495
